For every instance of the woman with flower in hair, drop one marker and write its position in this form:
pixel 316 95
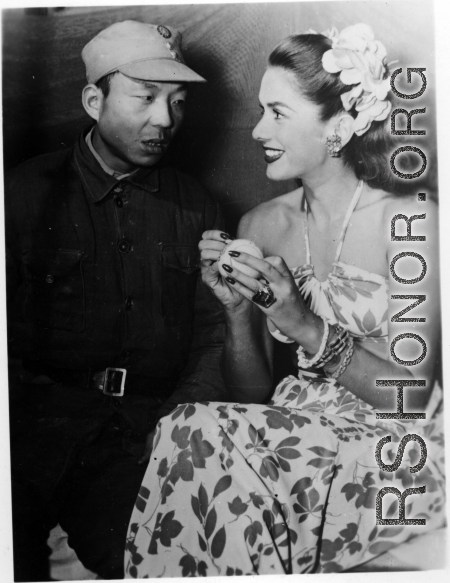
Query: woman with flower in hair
pixel 286 480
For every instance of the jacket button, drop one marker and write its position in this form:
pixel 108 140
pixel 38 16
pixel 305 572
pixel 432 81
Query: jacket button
pixel 128 303
pixel 49 279
pixel 124 246
pixel 119 202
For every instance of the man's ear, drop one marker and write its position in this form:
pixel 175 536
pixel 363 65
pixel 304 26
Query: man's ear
pixel 92 99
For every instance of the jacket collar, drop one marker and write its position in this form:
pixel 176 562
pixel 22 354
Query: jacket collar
pixel 98 183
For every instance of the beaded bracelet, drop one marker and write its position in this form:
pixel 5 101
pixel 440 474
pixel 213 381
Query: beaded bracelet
pixel 303 362
pixel 344 364
pixel 327 351
pixel 336 346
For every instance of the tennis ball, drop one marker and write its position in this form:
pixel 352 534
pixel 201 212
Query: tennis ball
pixel 243 246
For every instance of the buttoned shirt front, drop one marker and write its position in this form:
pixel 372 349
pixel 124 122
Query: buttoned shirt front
pixel 105 272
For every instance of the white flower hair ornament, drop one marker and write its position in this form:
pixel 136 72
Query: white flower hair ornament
pixel 361 61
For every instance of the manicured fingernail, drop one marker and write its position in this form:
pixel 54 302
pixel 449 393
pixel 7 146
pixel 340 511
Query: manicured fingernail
pixel 226 236
pixel 234 253
pixel 227 268
pixel 230 280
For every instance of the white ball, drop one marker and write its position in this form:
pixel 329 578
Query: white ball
pixel 243 246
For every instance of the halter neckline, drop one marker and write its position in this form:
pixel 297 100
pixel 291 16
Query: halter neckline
pixel 345 224
pixel 350 295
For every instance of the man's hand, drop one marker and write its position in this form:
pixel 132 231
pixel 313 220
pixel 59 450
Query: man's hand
pixel 147 448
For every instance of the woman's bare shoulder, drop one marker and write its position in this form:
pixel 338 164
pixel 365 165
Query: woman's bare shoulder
pixel 261 221
pixel 408 205
pixel 388 204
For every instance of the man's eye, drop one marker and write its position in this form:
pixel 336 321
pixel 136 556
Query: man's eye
pixel 146 98
pixel 278 115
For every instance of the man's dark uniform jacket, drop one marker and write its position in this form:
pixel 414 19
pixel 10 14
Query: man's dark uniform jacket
pixel 101 273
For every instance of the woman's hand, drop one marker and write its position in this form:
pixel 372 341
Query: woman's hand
pixel 211 246
pixel 289 312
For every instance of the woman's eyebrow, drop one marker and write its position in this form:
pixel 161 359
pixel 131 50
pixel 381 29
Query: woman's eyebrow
pixel 276 104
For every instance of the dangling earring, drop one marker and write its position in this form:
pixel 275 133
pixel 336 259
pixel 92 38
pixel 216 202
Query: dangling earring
pixel 334 145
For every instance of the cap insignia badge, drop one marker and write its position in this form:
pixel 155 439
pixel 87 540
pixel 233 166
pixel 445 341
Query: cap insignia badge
pixel 164 31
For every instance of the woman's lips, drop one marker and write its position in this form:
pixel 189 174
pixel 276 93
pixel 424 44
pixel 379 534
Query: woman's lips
pixel 271 155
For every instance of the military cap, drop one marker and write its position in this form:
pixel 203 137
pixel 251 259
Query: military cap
pixel 137 49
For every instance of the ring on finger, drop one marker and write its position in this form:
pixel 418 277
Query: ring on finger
pixel 264 297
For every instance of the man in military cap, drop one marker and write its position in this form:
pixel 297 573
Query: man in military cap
pixel 109 325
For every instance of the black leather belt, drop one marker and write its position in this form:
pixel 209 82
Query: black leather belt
pixel 113 381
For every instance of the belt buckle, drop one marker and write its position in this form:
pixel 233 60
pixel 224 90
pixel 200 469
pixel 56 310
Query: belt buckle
pixel 112 385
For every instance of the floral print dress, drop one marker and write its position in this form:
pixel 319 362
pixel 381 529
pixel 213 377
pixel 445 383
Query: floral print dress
pixel 287 487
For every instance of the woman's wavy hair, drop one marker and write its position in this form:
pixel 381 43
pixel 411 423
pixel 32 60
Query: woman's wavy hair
pixel 368 154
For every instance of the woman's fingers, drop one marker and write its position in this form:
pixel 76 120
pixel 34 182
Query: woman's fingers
pixel 274 280
pixel 270 268
pixel 208 255
pixel 249 292
pixel 217 236
pixel 207 262
pixel 210 250
pixel 211 244
pixel 239 287
pixel 248 282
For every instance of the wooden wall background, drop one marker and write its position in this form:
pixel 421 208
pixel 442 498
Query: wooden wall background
pixel 43 76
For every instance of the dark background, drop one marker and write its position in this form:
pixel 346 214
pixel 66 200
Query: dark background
pixel 43 76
